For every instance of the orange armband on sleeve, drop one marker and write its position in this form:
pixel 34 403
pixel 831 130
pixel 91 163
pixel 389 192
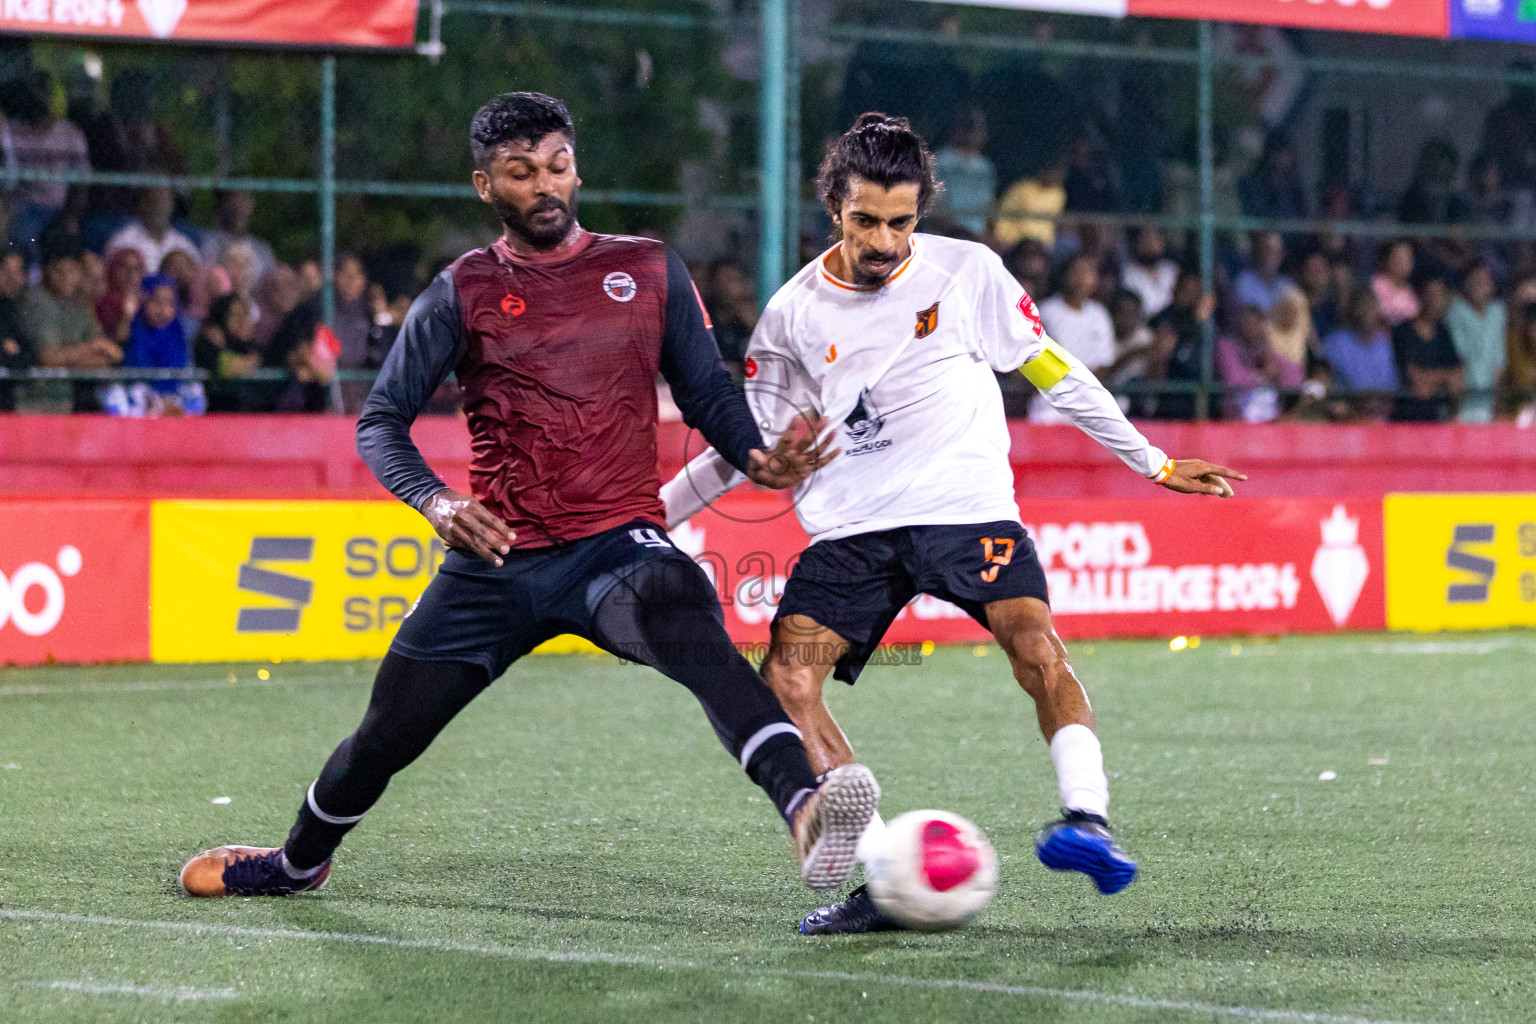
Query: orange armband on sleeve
pixel 1165 472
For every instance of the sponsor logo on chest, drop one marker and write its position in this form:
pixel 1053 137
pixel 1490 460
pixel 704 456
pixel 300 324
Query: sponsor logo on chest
pixel 863 425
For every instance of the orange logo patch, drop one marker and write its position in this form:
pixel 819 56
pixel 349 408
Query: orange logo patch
pixel 832 354
pixel 928 321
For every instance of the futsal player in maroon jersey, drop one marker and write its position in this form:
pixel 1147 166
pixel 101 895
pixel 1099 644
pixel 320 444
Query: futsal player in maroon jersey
pixel 556 336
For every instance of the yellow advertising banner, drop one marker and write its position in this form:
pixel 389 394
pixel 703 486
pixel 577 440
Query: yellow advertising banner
pixel 299 580
pixel 1460 561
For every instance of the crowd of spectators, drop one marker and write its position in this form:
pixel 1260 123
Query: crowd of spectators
pixel 110 278
pixel 1313 328
pixel 1323 329
pixel 1305 325
pixel 162 296
pixel 1302 325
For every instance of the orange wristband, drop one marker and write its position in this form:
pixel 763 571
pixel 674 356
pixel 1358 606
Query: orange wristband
pixel 1165 472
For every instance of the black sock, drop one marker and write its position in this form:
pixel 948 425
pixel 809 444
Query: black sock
pixel 312 839
pixel 412 702
pixel 783 770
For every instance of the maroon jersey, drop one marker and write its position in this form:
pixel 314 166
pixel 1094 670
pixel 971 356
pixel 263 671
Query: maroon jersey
pixel 558 358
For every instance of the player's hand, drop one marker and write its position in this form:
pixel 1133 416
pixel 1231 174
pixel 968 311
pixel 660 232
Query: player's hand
pixel 1196 476
pixel 795 457
pixel 466 524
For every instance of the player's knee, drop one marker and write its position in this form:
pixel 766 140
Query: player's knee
pixel 1036 660
pixel 796 686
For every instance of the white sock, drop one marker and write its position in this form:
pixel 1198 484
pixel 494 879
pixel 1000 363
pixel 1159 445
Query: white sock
pixel 871 839
pixel 1079 764
pixel 296 873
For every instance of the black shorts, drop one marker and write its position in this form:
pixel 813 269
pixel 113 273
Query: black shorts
pixel 857 586
pixel 476 612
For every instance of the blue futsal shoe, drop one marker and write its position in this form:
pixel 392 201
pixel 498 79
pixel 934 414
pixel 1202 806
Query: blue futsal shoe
pixel 1083 842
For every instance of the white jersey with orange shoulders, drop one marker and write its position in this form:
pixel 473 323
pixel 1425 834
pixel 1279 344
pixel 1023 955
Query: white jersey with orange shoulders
pixel 905 369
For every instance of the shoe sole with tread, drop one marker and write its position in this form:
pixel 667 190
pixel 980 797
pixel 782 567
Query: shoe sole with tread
pixel 848 800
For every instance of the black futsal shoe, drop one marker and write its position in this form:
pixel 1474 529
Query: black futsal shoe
pixel 853 916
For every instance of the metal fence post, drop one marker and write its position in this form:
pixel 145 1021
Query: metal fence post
pixel 1207 218
pixel 327 186
pixel 772 111
pixel 793 171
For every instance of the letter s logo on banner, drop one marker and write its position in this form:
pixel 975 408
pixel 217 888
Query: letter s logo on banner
pixel 1461 561
pixel 307 580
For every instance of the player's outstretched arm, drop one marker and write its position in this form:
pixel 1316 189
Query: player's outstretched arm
pixel 801 451
pixel 709 477
pixel 1073 390
pixel 1196 476
pixel 701 386
pixel 699 485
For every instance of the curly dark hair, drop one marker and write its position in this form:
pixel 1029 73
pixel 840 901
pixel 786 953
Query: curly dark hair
pixel 517 115
pixel 880 149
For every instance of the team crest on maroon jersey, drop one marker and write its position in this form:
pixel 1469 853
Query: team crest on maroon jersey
pixel 619 286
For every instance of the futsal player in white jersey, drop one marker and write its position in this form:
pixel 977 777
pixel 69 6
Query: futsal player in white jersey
pixel 894 337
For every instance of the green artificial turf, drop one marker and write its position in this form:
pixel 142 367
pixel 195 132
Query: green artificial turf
pixel 577 847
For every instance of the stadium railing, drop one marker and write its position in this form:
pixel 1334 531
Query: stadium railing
pixel 780 193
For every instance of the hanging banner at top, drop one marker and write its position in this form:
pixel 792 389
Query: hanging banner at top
pixel 310 23
pixel 1392 17
pixel 1494 19
pixel 1108 8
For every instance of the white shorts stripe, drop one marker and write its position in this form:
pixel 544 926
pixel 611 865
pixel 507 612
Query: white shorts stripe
pixel 760 737
pixel 330 819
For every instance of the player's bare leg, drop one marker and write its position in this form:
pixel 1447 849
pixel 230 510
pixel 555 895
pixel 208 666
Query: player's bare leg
pixel 1023 629
pixel 801 655
pixel 800 658
pixel 1080 840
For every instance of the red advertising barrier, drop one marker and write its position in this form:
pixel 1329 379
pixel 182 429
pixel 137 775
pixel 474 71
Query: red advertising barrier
pixel 1396 17
pixel 75 574
pixel 1115 567
pixel 316 457
pixel 74 581
pixel 331 23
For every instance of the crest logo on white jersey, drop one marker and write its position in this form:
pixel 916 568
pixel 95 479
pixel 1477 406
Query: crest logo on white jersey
pixel 1031 314
pixel 927 321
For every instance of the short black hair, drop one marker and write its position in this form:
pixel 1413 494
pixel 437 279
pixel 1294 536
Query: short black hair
pixel 880 149
pixel 59 241
pixel 517 115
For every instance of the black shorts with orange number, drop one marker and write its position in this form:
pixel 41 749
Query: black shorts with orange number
pixel 856 586
pixel 492 615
